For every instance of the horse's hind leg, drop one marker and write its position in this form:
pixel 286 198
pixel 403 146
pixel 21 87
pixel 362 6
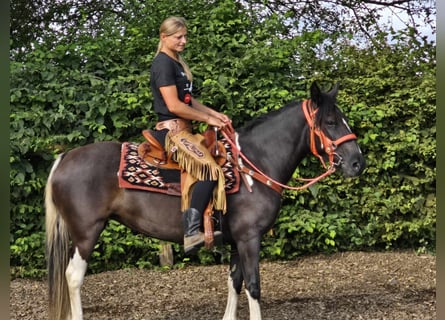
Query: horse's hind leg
pixel 77 267
pixel 75 273
pixel 234 284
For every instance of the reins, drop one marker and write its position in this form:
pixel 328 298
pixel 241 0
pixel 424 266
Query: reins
pixel 327 145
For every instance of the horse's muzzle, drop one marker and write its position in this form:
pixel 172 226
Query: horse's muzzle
pixel 352 168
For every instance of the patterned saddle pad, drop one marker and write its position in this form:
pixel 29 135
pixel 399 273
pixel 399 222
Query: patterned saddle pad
pixel 135 173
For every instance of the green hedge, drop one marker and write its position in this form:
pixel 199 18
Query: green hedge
pixel 97 88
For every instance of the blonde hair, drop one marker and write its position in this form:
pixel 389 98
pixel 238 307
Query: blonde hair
pixel 169 27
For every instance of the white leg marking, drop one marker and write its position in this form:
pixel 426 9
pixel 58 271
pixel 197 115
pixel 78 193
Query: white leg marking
pixel 232 302
pixel 75 273
pixel 254 307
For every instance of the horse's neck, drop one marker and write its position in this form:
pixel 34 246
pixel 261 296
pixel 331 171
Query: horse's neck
pixel 277 145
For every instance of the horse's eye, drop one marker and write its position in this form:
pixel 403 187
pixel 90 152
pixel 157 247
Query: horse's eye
pixel 331 123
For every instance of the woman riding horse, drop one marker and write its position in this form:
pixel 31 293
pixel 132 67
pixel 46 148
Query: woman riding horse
pixel 83 193
pixel 171 84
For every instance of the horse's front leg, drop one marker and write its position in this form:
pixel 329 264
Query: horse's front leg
pixel 234 284
pixel 249 252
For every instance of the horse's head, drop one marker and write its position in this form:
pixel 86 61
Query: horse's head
pixel 331 138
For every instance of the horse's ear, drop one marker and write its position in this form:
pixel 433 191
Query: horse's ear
pixel 334 90
pixel 315 93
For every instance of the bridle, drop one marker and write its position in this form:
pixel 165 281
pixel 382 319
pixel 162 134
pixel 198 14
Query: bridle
pixel 327 145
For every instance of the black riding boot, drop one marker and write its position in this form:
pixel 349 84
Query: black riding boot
pixel 193 237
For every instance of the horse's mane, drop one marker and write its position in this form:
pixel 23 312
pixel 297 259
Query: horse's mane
pixel 326 106
pixel 264 117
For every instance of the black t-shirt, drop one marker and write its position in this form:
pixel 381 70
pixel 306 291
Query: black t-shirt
pixel 166 71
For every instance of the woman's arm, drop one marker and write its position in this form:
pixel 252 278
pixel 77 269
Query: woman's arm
pixel 199 106
pixel 198 112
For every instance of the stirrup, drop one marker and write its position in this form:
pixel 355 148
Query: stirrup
pixel 193 243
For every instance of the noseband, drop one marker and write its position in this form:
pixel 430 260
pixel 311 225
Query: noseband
pixel 327 145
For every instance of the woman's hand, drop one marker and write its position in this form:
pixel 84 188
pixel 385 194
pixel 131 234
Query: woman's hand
pixel 224 118
pixel 219 120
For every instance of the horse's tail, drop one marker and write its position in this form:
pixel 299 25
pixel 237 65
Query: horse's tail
pixel 57 246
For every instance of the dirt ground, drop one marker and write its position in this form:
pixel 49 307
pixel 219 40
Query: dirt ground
pixel 396 285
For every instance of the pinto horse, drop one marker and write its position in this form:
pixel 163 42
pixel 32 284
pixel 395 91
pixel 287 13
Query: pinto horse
pixel 82 195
